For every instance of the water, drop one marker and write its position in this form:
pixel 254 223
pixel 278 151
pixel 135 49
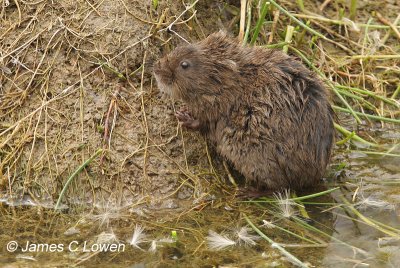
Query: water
pixel 85 236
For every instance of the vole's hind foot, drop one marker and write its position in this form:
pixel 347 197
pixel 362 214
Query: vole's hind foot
pixel 187 120
pixel 253 193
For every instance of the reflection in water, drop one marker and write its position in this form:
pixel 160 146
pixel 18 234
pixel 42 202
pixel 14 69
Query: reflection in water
pixel 379 250
pixel 379 198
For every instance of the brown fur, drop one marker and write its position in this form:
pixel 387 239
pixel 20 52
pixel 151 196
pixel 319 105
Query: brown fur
pixel 266 113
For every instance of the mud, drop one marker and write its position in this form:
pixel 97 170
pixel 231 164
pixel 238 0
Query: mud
pixel 73 78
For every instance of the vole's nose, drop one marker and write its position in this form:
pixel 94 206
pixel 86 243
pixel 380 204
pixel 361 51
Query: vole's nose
pixel 150 62
pixel 157 66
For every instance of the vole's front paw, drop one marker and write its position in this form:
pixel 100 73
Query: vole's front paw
pixel 187 120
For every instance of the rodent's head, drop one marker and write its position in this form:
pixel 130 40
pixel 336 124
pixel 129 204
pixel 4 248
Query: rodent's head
pixel 177 70
pixel 199 70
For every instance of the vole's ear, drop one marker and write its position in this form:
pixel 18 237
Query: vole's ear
pixel 221 34
pixel 230 64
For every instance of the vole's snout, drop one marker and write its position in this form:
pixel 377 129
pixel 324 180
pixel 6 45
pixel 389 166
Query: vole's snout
pixel 156 66
pixel 161 67
pixel 150 63
pixel 163 75
pixel 159 70
pixel 162 71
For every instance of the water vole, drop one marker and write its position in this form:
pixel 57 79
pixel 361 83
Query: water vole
pixel 264 111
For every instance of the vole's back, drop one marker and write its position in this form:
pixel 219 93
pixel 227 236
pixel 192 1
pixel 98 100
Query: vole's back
pixel 279 132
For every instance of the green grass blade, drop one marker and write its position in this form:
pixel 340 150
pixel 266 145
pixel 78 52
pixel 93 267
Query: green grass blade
pixel 370 116
pixel 353 9
pixel 396 92
pixel 302 24
pixel 379 153
pixel 371 94
pixel 299 198
pixel 368 221
pixel 292 258
pixel 73 175
pixel 264 9
pixel 354 137
pixel 288 38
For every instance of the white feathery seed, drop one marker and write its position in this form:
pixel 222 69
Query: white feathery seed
pixel 373 202
pixel 285 205
pixel 138 236
pixel 154 243
pixel 153 246
pixel 106 238
pixel 218 242
pixel 244 236
pixel 268 224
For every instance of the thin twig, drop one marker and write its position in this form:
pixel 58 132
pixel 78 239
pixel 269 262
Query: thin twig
pixel 387 22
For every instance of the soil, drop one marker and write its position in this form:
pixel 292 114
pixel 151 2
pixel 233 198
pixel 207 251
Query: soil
pixel 74 72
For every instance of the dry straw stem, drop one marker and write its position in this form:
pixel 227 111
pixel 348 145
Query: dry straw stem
pixel 393 26
pixel 273 27
pixel 375 57
pixel 248 24
pixel 387 22
pixel 108 128
pixel 145 157
pixel 243 4
pixel 341 22
pixel 324 4
pixel 230 177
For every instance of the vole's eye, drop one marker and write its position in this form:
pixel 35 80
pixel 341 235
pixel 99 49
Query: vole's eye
pixel 185 64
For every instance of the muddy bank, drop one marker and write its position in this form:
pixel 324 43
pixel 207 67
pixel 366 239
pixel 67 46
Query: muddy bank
pixel 72 83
